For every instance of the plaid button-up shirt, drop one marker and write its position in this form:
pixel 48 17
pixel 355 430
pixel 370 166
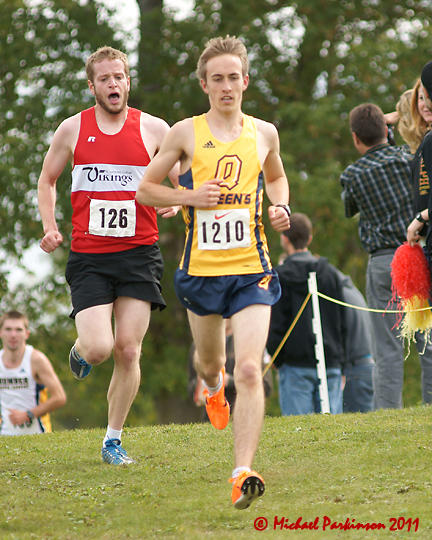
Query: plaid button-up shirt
pixel 378 187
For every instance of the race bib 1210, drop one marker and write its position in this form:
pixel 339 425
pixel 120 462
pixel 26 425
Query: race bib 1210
pixel 223 229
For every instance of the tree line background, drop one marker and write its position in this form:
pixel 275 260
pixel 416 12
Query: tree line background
pixel 311 62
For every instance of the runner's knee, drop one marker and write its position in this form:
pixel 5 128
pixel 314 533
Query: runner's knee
pixel 209 367
pixel 247 372
pixel 127 355
pixel 97 353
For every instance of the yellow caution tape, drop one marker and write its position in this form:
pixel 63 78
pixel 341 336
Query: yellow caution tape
pixel 296 318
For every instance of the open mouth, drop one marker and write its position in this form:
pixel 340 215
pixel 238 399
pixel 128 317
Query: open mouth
pixel 114 97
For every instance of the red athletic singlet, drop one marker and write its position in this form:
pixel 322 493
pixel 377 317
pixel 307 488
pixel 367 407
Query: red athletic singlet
pixel 105 176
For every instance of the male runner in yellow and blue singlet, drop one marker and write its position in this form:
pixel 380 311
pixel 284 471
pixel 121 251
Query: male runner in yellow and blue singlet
pixel 226 159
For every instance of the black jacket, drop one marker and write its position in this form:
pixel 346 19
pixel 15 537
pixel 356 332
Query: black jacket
pixel 299 349
pixel 421 168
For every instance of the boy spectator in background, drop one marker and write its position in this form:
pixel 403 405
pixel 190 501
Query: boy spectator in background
pixel 296 361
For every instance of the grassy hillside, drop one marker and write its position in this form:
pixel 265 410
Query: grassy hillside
pixel 323 469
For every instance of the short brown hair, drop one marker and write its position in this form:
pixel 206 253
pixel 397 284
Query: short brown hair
pixel 368 123
pixel 13 314
pixel 300 230
pixel 105 53
pixel 218 46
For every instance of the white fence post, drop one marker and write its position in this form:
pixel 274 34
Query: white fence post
pixel 319 347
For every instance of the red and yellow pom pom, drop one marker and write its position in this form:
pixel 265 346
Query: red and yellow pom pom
pixel 411 287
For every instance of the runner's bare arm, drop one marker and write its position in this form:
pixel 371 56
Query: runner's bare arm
pixel 44 374
pixel 171 211
pixel 276 182
pixel 175 147
pixel 59 153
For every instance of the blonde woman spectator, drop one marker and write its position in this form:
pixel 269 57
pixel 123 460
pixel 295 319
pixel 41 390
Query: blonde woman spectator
pixel 412 116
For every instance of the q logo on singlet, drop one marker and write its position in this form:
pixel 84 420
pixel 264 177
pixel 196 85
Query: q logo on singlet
pixel 228 170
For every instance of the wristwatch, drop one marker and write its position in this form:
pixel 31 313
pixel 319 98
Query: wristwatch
pixel 31 418
pixel 285 207
pixel 419 217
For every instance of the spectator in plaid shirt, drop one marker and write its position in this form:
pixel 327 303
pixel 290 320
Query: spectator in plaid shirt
pixel 378 187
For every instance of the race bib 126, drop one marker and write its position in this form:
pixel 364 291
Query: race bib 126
pixel 112 218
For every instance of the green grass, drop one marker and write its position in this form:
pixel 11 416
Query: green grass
pixel 367 468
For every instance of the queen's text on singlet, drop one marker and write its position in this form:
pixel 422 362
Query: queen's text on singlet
pixel 228 239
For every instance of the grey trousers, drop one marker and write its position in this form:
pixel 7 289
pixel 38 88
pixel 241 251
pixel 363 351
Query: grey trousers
pixel 387 346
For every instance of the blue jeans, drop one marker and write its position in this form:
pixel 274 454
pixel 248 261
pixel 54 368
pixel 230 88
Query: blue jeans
pixel 299 390
pixel 358 394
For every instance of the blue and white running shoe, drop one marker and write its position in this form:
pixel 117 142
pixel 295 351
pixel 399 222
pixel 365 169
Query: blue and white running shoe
pixel 79 367
pixel 115 454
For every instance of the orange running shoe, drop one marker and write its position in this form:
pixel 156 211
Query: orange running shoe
pixel 217 407
pixel 247 487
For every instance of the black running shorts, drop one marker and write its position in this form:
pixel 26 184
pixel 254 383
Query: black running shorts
pixel 99 278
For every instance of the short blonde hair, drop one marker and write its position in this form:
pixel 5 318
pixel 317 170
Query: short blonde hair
pixel 105 53
pixel 218 46
pixel 13 314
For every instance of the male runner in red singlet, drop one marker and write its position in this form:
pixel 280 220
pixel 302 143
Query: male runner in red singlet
pixel 226 159
pixel 115 265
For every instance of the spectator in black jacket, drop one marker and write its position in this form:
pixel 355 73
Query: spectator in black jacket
pixel 296 362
